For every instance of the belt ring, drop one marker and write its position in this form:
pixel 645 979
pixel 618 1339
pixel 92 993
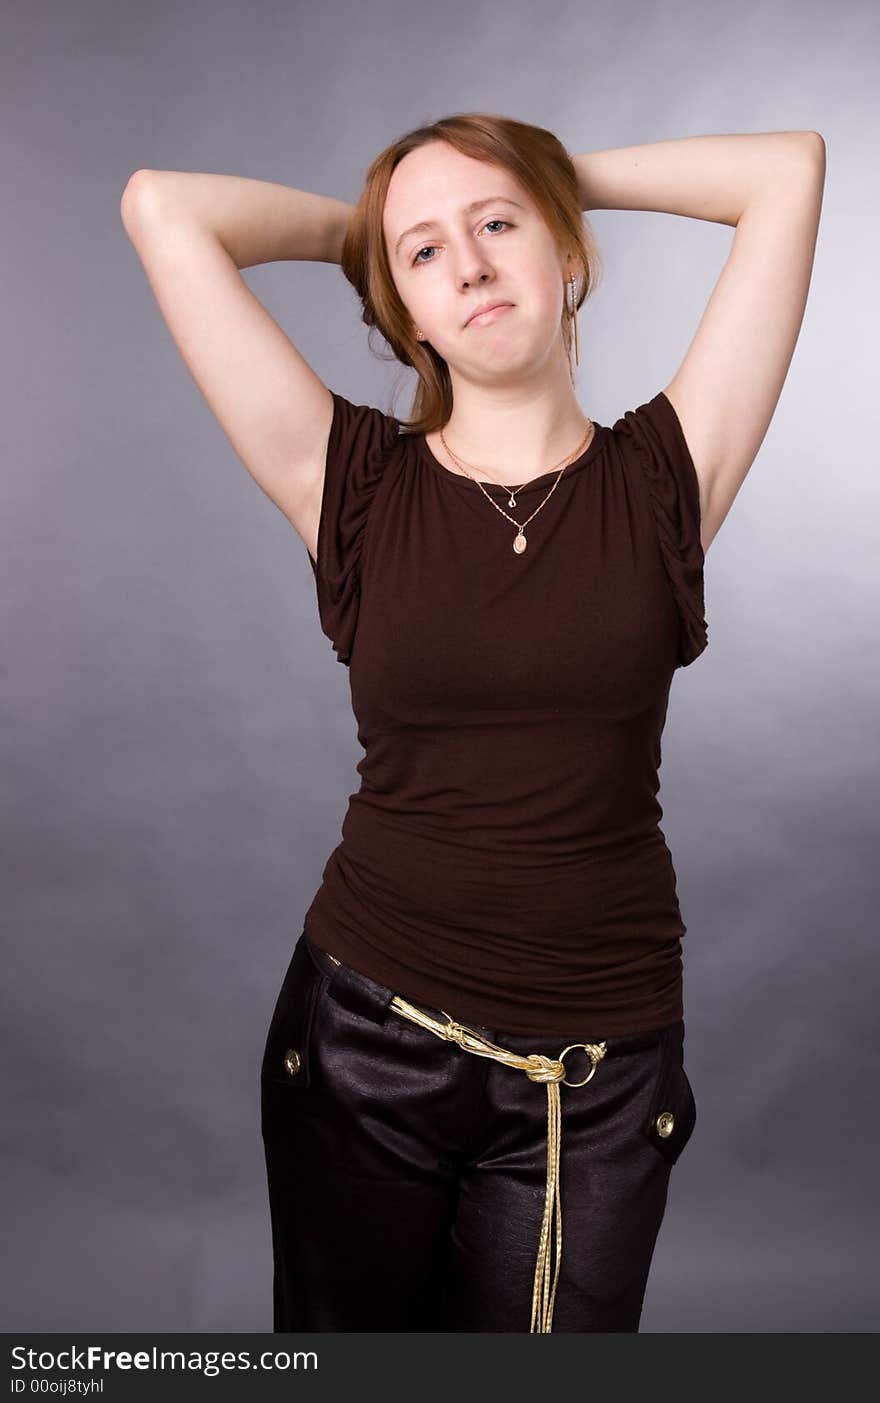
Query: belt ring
pixel 585 1046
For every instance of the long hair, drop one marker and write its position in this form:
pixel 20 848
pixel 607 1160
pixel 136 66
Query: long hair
pixel 541 164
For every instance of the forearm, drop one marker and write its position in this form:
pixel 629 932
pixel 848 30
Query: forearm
pixel 703 177
pixel 256 221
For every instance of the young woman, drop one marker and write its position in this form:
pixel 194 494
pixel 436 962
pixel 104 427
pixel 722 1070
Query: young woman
pixel 480 1032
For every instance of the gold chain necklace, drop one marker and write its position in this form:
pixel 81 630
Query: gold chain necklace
pixel 519 541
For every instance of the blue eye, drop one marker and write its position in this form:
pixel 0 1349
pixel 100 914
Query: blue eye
pixel 419 261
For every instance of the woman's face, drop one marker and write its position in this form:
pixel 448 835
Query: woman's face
pixel 501 251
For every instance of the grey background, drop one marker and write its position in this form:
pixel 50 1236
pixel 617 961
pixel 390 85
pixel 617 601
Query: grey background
pixel 178 744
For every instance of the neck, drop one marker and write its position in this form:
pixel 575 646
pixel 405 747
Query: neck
pixel 509 436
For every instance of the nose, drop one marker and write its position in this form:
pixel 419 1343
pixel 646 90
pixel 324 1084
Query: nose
pixel 472 267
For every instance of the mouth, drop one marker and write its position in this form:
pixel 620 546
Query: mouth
pixel 489 314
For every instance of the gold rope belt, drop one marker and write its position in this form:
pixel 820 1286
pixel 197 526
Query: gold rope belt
pixel 537 1067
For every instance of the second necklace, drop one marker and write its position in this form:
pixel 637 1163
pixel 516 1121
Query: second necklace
pixel 519 541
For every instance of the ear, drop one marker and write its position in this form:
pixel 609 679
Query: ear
pixel 573 268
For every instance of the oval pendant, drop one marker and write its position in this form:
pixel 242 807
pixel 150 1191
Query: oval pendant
pixel 520 543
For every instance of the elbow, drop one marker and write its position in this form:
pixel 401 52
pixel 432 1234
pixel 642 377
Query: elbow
pixel 135 195
pixel 815 144
pixel 808 155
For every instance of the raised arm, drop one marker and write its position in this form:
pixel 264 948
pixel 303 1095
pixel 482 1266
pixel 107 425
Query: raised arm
pixel 193 233
pixel 769 187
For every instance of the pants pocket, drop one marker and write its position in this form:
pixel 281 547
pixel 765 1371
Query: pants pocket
pixel 286 1055
pixel 673 1109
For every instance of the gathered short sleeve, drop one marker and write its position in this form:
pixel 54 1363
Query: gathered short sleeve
pixel 362 440
pixel 654 433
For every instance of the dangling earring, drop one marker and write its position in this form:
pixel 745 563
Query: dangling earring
pixel 574 319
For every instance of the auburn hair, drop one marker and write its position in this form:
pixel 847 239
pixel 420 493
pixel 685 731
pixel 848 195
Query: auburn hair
pixel 541 164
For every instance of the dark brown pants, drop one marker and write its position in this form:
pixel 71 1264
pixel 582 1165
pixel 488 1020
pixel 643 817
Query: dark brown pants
pixel 407 1175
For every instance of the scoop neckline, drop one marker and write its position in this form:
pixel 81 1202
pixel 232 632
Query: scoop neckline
pixel 592 450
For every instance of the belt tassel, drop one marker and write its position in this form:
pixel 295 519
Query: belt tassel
pixel 538 1068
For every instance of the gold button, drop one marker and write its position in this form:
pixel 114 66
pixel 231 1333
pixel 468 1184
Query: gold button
pixel 292 1061
pixel 665 1123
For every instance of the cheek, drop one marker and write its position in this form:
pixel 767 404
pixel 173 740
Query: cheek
pixel 549 292
pixel 543 295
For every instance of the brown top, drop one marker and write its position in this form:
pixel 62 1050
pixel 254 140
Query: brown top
pixel 502 859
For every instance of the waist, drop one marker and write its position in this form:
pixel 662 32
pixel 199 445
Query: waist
pixel 409 872
pixel 501 979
